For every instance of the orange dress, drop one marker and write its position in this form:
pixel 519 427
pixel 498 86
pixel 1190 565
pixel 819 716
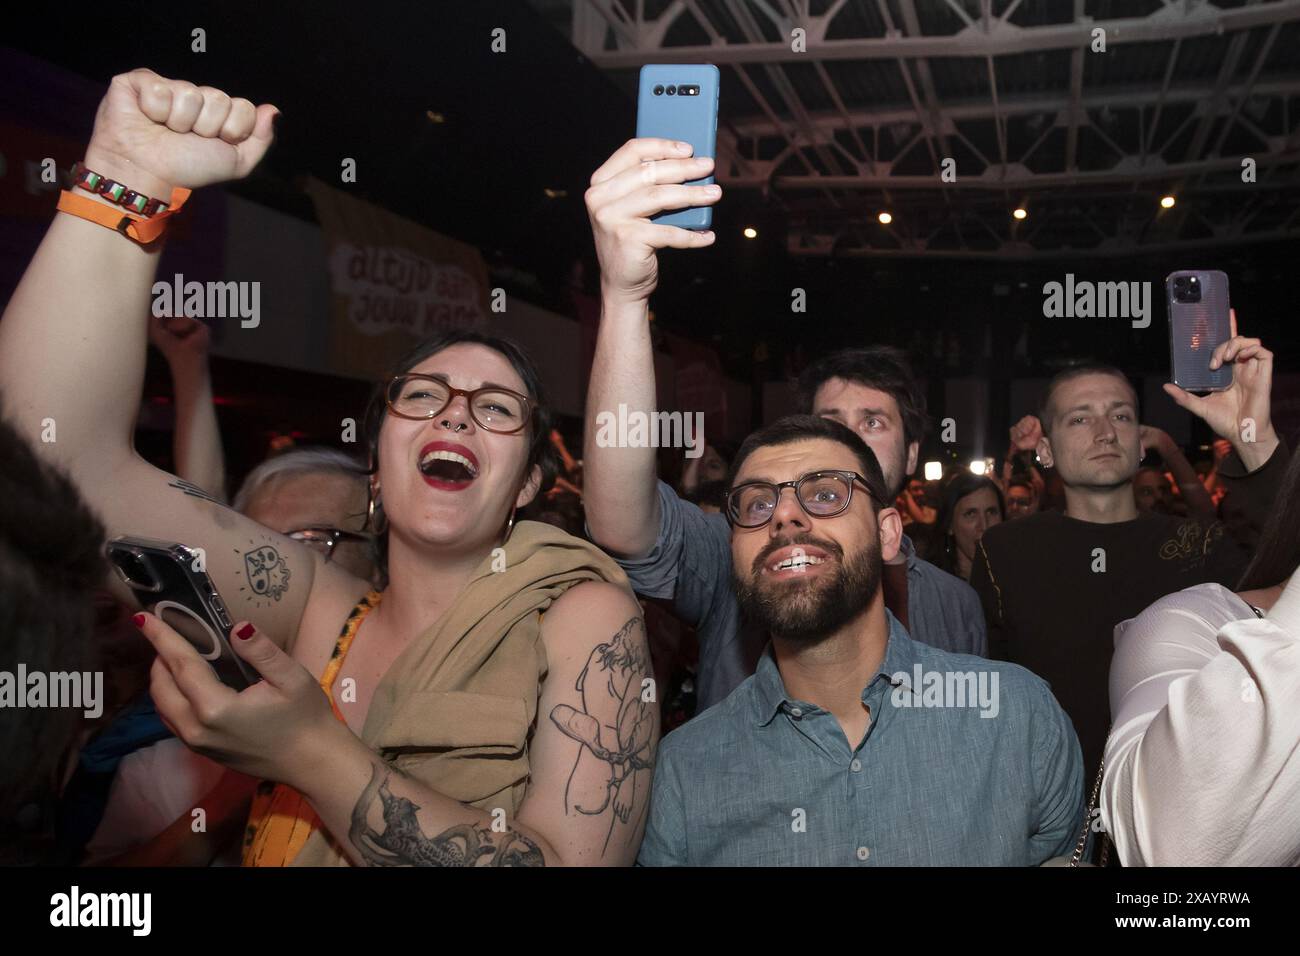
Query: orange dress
pixel 281 819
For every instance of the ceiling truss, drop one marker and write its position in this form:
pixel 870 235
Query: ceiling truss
pixel 1088 151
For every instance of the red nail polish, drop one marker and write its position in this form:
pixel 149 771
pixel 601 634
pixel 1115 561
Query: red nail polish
pixel 137 620
pixel 245 632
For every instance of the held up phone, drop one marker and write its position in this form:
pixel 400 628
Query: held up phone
pixel 1198 324
pixel 165 578
pixel 681 102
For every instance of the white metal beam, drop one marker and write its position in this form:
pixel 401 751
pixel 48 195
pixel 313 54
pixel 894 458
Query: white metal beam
pixel 1023 105
pixel 1002 38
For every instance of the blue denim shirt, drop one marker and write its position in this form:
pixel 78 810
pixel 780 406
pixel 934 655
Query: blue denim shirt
pixel 691 565
pixel 766 780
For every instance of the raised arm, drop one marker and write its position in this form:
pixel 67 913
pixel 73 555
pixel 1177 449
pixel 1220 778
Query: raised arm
pixel 1241 413
pixel 72 342
pixel 643 178
pixel 196 446
pixel 590 761
pixel 1199 503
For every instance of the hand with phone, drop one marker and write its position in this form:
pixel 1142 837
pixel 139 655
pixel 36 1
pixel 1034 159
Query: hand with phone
pixel 170 580
pixel 1241 412
pixel 642 179
pixel 275 729
pixel 645 177
pixel 679 102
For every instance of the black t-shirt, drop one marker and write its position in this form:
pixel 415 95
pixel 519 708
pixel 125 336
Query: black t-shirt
pixel 1048 610
pixel 1053 589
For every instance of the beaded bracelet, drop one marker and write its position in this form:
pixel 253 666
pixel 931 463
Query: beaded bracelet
pixel 115 192
pixel 151 216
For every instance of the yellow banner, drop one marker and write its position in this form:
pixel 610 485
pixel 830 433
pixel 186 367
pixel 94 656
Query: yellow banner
pixel 393 282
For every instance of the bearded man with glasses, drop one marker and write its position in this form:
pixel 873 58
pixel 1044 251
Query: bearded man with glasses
pixel 843 749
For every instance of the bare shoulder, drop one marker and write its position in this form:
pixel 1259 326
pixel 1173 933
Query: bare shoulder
pixel 334 593
pixel 587 614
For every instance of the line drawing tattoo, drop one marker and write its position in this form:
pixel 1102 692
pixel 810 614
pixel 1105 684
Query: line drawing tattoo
pixel 266 571
pixel 614 726
pixel 403 843
pixel 191 489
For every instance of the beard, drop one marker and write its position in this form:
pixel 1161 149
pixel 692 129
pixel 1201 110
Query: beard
pixel 807 611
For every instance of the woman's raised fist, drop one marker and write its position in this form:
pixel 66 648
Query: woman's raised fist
pixel 152 134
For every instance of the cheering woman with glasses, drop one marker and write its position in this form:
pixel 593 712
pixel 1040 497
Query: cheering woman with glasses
pixel 492 705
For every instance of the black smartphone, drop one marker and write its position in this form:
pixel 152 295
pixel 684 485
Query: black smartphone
pixel 1198 324
pixel 170 581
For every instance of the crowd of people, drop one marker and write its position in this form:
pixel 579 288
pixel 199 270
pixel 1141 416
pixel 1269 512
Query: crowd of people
pixel 476 648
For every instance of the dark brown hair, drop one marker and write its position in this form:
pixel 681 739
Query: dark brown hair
pixel 961 484
pixel 1278 554
pixel 51 566
pixel 881 367
pixel 540 450
pixel 1047 414
pixel 793 428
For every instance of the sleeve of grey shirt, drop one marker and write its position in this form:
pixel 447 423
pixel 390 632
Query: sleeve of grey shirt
pixel 664 843
pixel 1058 771
pixel 690 563
pixel 972 618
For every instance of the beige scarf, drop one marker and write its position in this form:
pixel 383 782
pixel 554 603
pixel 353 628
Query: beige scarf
pixel 456 708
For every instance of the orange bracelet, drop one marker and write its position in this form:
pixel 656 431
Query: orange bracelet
pixel 135 228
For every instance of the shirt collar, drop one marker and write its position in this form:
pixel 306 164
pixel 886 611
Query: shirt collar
pixel 905 547
pixel 770 695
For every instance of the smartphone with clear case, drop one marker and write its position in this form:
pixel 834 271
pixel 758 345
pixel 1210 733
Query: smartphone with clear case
pixel 1199 323
pixel 169 581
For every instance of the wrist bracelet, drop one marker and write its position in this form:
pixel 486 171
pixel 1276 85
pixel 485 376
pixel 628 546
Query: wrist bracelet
pixel 115 192
pixel 146 226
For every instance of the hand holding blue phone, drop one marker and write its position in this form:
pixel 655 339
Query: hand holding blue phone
pixel 642 179
pixel 680 102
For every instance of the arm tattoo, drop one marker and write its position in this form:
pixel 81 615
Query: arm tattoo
pixel 403 843
pixel 615 726
pixel 191 489
pixel 266 572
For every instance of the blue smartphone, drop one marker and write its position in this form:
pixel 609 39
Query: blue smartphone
pixel 681 102
pixel 1199 322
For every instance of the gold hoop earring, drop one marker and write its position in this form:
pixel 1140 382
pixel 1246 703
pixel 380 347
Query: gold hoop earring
pixel 374 511
pixel 510 525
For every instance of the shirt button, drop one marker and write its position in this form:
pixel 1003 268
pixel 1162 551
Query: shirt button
pixel 796 712
pixel 863 853
pixel 856 765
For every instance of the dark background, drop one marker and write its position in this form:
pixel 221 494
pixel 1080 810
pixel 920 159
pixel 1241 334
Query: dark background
pixel 358 79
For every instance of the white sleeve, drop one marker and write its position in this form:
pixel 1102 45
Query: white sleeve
pixel 1202 764
pixel 152 788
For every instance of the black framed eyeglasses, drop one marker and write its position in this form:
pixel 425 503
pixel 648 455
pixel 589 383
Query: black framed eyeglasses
pixel 325 540
pixel 821 494
pixel 417 397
